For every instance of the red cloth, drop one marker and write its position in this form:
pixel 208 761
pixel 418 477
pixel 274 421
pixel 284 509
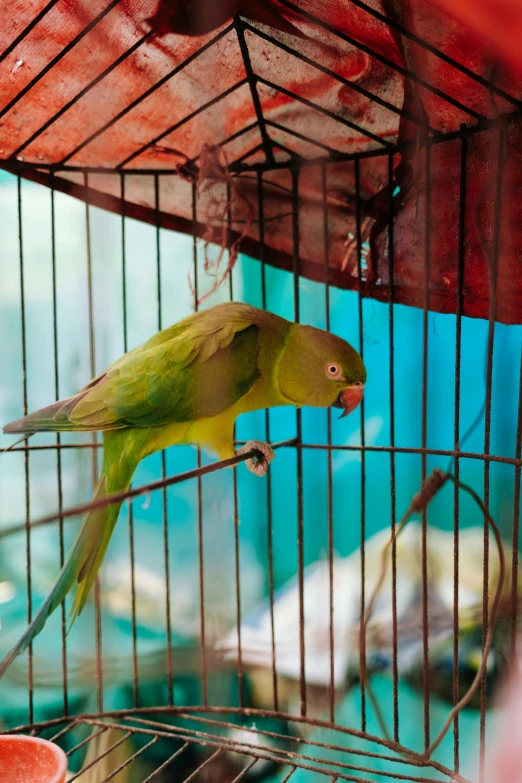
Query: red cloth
pixel 124 118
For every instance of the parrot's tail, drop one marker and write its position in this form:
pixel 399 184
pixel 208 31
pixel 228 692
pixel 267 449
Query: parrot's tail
pixel 84 559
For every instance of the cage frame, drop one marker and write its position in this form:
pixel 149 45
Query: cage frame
pixel 49 174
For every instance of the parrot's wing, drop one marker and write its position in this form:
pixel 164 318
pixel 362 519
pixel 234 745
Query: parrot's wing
pixel 195 375
pixel 199 372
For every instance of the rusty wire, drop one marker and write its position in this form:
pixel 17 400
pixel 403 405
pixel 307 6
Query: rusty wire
pixel 418 504
pixel 146 489
pixel 133 722
pixel 431 485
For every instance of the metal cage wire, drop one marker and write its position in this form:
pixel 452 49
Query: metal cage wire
pixel 152 727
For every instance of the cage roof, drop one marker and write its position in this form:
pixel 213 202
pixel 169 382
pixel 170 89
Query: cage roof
pixel 323 119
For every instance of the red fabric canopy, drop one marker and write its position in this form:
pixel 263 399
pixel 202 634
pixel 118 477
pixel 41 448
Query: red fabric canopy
pixel 96 89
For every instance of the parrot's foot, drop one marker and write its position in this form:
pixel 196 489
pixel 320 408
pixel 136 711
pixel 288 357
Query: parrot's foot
pixel 258 465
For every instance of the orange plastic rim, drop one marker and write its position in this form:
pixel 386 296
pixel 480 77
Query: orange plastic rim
pixel 31 760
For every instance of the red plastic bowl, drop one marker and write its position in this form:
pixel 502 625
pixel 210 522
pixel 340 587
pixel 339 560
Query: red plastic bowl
pixel 31 760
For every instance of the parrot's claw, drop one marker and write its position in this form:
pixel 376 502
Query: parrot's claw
pixel 258 465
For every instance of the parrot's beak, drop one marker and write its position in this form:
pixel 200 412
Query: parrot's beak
pixel 350 398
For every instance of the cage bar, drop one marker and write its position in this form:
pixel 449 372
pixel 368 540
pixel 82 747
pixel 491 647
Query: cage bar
pixel 241 167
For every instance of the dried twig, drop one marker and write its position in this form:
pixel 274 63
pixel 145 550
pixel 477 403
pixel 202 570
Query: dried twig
pixel 213 177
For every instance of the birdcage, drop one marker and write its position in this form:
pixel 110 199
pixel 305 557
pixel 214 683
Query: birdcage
pixel 340 166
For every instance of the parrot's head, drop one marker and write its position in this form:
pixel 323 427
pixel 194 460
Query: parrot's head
pixel 320 369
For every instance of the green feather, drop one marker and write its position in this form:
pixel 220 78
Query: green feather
pixel 88 550
pixel 165 381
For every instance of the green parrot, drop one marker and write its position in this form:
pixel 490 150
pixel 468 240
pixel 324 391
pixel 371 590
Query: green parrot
pixel 188 384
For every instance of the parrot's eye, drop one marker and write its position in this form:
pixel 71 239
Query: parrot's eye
pixel 333 371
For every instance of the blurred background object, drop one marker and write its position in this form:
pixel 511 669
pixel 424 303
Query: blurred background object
pixel 262 656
